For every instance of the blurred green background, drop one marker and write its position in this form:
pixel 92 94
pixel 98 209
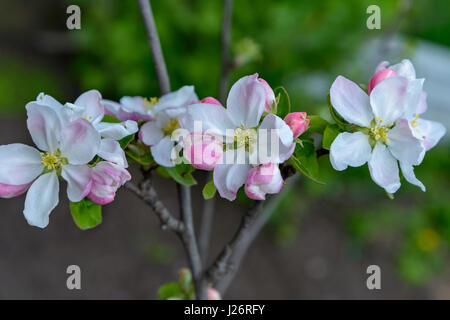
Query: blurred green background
pixel 302 45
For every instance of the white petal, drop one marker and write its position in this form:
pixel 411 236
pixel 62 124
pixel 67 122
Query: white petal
pixel 79 141
pixel 430 131
pixel 384 169
pixel 351 102
pixel 408 173
pixel 110 150
pixel 413 98
pixel 49 101
pixel 388 99
pixel 111 107
pixel 403 145
pixel 404 69
pixel 246 101
pixel 117 131
pixel 229 178
pixel 78 179
pixel 207 117
pixel 41 199
pixel 162 152
pixel 151 133
pixel 91 101
pixel 174 103
pixel 350 149
pixel 272 121
pixel 44 126
pixel 19 164
pixel 283 138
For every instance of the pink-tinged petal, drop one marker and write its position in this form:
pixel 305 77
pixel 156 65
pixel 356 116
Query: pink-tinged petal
pixel 202 116
pixel 80 142
pixel 79 181
pixel 228 178
pixel 202 151
pixel 44 126
pixel 134 108
pixel 382 65
pixel 429 131
pixel 351 102
pixel 384 169
pixel 117 131
pixel 210 100
pixel 41 199
pixel 111 107
pixel 350 149
pixel 270 95
pixel 404 69
pixel 403 145
pixel 388 99
pixel 422 103
pixel 380 76
pixel 162 152
pixel 93 108
pixel 110 150
pixel 151 133
pixel 298 122
pixel 262 180
pixel 408 173
pixel 8 191
pixel 246 101
pixel 175 103
pixel 19 164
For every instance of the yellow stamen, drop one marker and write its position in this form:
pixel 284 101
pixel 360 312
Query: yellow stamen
pixel 150 103
pixel 52 161
pixel 171 126
pixel 414 121
pixel 245 137
pixel 378 132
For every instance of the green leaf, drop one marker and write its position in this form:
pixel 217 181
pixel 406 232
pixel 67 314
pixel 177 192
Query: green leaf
pixel 317 124
pixel 304 160
pixel 182 174
pixel 86 214
pixel 124 142
pixel 284 103
pixel 110 119
pixel 162 172
pixel 171 290
pixel 209 190
pixel 330 133
pixel 140 153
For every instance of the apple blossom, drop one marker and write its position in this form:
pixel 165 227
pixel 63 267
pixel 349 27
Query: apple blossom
pixel 107 177
pixel 168 113
pixel 263 179
pixel 67 147
pixel 382 137
pixel 240 129
pixel 210 100
pixel 298 122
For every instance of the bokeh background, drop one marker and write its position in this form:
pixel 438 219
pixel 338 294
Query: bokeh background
pixel 320 239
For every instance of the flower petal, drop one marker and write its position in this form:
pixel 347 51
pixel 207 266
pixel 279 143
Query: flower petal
pixel 388 99
pixel 404 69
pixel 79 181
pixel 273 124
pixel 350 149
pixel 117 131
pixel 110 150
pixel 111 107
pixel 203 116
pixel 403 145
pixel 351 102
pixel 93 108
pixel 413 98
pixel 44 126
pixel 8 191
pixel 430 131
pixel 408 173
pixel 228 178
pixel 384 169
pixel 246 101
pixel 19 164
pixel 175 103
pixel 133 108
pixel 42 198
pixel 162 152
pixel 79 141
pixel 151 133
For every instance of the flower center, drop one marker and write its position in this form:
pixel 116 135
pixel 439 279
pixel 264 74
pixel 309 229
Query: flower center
pixel 414 121
pixel 379 132
pixel 245 137
pixel 150 103
pixel 171 126
pixel 53 161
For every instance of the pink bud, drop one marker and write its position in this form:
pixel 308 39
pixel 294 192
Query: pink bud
pixel 107 177
pixel 263 179
pixel 204 152
pixel 298 122
pixel 210 100
pixel 380 76
pixel 270 96
pixel 213 294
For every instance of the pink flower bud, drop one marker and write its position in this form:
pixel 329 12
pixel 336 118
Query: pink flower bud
pixel 380 76
pixel 213 294
pixel 263 179
pixel 210 100
pixel 298 122
pixel 107 177
pixel 270 96
pixel 204 152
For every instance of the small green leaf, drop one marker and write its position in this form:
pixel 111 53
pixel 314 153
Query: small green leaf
pixel 171 290
pixel 162 172
pixel 140 153
pixel 124 142
pixel 86 214
pixel 110 119
pixel 284 103
pixel 182 174
pixel 330 133
pixel 304 160
pixel 317 124
pixel 209 190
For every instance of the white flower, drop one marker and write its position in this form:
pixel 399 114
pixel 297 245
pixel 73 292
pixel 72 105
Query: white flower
pixel 383 137
pixel 67 147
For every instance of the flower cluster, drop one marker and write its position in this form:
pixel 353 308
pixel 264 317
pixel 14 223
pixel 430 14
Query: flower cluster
pixel 386 125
